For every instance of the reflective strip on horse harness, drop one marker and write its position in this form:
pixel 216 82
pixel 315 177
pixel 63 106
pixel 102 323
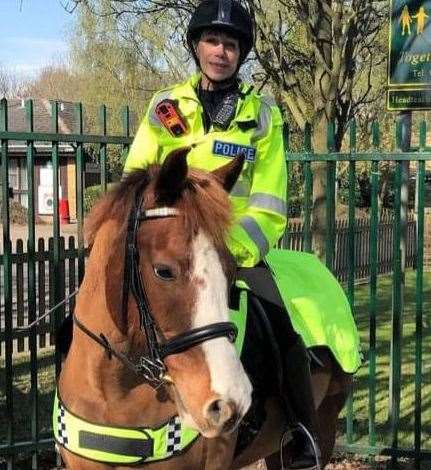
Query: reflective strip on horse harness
pixel 116 444
pixel 268 202
pixel 160 212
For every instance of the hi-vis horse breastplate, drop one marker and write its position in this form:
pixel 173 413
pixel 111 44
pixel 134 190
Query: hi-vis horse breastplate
pixel 119 445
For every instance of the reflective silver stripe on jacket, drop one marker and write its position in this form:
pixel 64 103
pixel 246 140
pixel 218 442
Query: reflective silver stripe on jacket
pixel 263 121
pixel 255 233
pixel 269 202
pixel 269 100
pixel 152 116
pixel 241 189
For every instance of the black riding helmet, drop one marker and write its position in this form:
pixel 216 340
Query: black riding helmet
pixel 226 15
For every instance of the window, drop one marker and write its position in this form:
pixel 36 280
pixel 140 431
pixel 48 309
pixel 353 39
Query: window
pixel 18 180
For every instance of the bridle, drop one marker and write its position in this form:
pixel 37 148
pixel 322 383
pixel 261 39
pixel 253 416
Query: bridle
pixel 151 365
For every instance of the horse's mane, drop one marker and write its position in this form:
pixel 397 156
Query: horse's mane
pixel 204 203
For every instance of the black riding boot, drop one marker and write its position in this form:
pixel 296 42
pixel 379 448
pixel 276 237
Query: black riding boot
pixel 295 377
pixel 297 387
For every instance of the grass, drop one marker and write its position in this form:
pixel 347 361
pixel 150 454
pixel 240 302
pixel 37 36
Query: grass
pixel 383 340
pixel 46 381
pixel 22 407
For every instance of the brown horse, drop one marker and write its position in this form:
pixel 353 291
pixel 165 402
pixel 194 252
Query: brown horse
pixel 152 337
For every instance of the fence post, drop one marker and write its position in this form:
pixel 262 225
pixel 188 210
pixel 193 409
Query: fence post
pixel 80 164
pixel 308 191
pixel 330 198
pixel 399 252
pixel 125 118
pixel 405 146
pixel 103 148
pixel 419 218
pixel 57 282
pixel 31 281
pixel 7 277
pixel 373 256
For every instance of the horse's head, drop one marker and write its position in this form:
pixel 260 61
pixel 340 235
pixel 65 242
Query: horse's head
pixel 186 271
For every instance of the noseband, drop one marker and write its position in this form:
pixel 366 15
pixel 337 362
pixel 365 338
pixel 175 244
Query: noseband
pixel 151 366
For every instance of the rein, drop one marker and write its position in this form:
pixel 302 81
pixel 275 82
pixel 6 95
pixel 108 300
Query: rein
pixel 48 312
pixel 151 366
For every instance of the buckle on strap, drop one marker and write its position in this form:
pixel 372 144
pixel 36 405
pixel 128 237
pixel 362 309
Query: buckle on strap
pixel 152 370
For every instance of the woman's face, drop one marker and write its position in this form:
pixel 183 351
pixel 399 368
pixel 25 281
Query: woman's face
pixel 218 55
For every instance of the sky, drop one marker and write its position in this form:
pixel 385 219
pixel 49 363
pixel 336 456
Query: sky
pixel 33 33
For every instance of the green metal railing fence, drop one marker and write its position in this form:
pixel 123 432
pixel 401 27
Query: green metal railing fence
pixel 38 437
pixel 44 289
pixel 67 270
pixel 68 257
pixel 392 331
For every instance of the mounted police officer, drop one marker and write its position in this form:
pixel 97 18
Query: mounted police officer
pixel 218 116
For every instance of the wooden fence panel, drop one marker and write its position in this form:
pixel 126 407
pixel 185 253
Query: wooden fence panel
pixel 44 285
pixel 294 240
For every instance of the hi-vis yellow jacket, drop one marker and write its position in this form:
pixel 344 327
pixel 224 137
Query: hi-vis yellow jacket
pixel 259 196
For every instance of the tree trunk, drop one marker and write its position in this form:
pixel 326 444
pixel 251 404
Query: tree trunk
pixel 319 190
pixel 324 111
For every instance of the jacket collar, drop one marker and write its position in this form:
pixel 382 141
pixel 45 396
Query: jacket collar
pixel 188 90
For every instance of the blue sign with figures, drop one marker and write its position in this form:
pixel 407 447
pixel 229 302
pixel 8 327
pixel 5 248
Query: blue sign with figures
pixel 410 43
pixel 409 71
pixel 229 149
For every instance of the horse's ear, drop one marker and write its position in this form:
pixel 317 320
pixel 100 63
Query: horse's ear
pixel 172 177
pixel 229 173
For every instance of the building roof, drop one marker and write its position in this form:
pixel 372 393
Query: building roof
pixel 42 122
pixel 42 115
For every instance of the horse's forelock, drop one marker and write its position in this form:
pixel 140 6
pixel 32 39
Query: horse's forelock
pixel 204 203
pixel 207 206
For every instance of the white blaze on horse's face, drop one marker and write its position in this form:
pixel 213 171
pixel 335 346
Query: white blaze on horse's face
pixel 229 382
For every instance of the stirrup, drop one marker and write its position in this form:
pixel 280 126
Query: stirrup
pixel 288 436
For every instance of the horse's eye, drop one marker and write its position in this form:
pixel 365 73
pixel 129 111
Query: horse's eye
pixel 163 272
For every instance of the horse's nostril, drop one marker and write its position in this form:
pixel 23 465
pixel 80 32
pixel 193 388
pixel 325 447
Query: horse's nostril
pixel 222 414
pixel 214 408
pixel 214 411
